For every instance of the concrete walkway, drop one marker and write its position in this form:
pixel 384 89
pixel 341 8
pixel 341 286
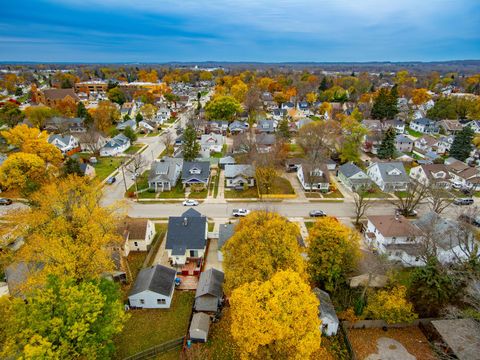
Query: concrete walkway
pixel 297 187
pixel 221 185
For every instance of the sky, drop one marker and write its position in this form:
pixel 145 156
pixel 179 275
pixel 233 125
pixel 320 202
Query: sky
pixel 239 30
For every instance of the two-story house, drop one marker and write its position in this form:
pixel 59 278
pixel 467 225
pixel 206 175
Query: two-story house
pixel 164 174
pixel 314 177
pixel 436 175
pixel 389 176
pixel 67 144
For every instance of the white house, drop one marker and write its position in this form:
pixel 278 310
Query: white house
pixel 464 175
pixel 65 143
pixel 389 176
pixel 138 233
pixel 211 143
pixel 424 126
pixel 431 174
pixel 163 114
pixel 326 313
pixel 314 177
pixel 115 146
pixel 153 288
pixel 239 175
pixel 129 123
pixel 147 125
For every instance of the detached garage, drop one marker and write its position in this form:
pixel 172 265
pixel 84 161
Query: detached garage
pixel 199 327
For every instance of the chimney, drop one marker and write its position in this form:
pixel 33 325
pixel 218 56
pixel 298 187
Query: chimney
pixel 185 221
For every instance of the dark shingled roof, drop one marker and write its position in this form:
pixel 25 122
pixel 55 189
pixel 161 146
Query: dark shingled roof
pixel 210 283
pixel 186 232
pixel 226 231
pixel 159 279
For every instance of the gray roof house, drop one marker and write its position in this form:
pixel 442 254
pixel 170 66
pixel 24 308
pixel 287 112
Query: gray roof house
pixel 164 174
pixel 403 143
pixel 264 142
pixel 266 126
pixel 125 124
pixel 326 313
pixel 424 126
pixel 115 146
pixel 153 288
pixel 239 175
pixel 186 237
pixel 227 160
pixel 225 232
pixel 389 176
pixel 353 177
pixel 195 172
pixel 209 293
pixel 238 127
pixel 199 327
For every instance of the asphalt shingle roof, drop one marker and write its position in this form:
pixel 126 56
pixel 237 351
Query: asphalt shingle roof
pixel 159 279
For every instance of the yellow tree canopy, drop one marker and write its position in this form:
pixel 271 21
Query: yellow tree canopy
pixel 263 244
pixel 333 251
pixel 22 170
pixel 67 230
pixel 105 115
pixel 391 306
pixel 33 141
pixel 420 96
pixel 276 319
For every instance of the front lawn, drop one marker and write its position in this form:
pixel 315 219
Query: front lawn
pixel 106 165
pixel 401 194
pixel 414 133
pixel 134 149
pixel 149 327
pixel 375 192
pixel 198 194
pixel 176 193
pixel 280 186
pixel 250 193
pixel 333 194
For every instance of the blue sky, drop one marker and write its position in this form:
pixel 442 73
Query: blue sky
pixel 239 30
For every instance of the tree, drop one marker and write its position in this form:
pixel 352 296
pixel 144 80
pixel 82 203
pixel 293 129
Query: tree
pixel 420 96
pixel 276 319
pixel 462 144
pixel 67 107
pixel 23 172
pixel 10 114
pixel 33 141
pixel 239 91
pixel 333 252
pixel 361 204
pixel 148 111
pixel 81 110
pixel 311 97
pixel 38 115
pixel 263 243
pixel 437 199
pixel 190 147
pixel 138 117
pixel 387 147
pixel 283 129
pixel 168 141
pixel 128 132
pixel 116 95
pixel 385 104
pixel 148 76
pixel 91 140
pixel 71 166
pixel 265 175
pixel 222 108
pixel 68 231
pixel 391 305
pixel 64 320
pixel 352 138
pixel 105 115
pixel 411 198
pixel 135 167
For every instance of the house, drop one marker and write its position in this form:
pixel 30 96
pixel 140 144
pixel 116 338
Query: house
pixel 53 97
pixel 459 338
pixel 148 126
pixel 87 170
pixel 372 142
pixel 424 126
pixel 292 164
pixel 279 114
pixel 314 177
pixel 304 108
pixel 266 126
pixel 392 235
pixel 164 174
pixel 326 313
pixel 67 144
pixel 186 237
pixel 115 146
pixel 129 123
pixel 227 160
pixel 264 142
pixel 403 143
pixel 425 144
pixel 211 143
pixel 209 293
pixel 91 141
pixel 389 176
pixel 451 127
pixel 474 125
pixel 353 177
pixel 239 175
pixel 238 127
pixel 153 288
pixel 199 327
pixel 464 175
pixel 62 125
pixel 217 127
pixel 398 125
pixel 195 173
pixel 163 114
pixel 288 105
pixel 138 233
pixel 225 232
pixel 436 175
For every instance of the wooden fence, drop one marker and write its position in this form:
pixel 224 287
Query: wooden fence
pixel 156 350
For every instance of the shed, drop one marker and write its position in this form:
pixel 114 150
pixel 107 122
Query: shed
pixel 461 337
pixel 327 313
pixel 199 327
pixel 209 294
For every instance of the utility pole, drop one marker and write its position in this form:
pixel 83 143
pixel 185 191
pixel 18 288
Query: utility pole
pixel 123 173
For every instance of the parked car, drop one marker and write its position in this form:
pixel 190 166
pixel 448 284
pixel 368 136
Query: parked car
pixel 463 201
pixel 470 219
pixel 317 213
pixel 5 201
pixel 134 176
pixel 240 212
pixel 190 202
pixel 457 185
pixel 411 213
pixel 111 180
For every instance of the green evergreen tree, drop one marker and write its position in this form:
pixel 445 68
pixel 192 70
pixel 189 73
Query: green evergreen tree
pixel 462 144
pixel 385 105
pixel 71 166
pixel 138 117
pixel 284 129
pixel 128 132
pixel 191 147
pixel 81 110
pixel 323 84
pixel 387 147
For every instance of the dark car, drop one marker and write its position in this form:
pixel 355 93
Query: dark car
pixel 470 220
pixel 5 201
pixel 111 180
pixel 317 213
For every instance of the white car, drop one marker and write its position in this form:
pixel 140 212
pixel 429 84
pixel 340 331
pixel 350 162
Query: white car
pixel 457 185
pixel 240 212
pixel 134 176
pixel 190 202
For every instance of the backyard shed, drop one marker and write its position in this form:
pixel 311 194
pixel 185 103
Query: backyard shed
pixel 199 327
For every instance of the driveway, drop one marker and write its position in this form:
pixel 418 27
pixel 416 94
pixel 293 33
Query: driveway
pixel 292 177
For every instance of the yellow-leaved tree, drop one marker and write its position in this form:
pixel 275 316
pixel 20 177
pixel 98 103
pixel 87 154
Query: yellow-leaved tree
pixel 391 305
pixel 276 319
pixel 263 243
pixel 23 171
pixel 333 251
pixel 66 230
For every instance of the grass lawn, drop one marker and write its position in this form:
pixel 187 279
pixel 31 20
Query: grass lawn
pixel 134 148
pixel 313 195
pixel 142 183
pixel 414 133
pixel 215 189
pixel 149 327
pixel 375 192
pixel 198 194
pixel 220 343
pixel 106 165
pixel 135 262
pixel 176 193
pixel 250 193
pixel 216 155
pixel 333 194
pixel 401 194
pixel 309 224
pixel 281 186
pixel 161 230
pixel 211 225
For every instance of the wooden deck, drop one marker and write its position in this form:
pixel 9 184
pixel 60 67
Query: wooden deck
pixel 188 282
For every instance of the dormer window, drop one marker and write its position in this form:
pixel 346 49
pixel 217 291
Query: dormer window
pixel 316 172
pixel 394 172
pixel 195 171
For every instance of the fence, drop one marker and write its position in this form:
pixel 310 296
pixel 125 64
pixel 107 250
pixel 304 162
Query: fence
pixel 156 350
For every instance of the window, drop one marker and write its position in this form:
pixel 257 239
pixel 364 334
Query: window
pixel 142 301
pixel 135 243
pixel 161 302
